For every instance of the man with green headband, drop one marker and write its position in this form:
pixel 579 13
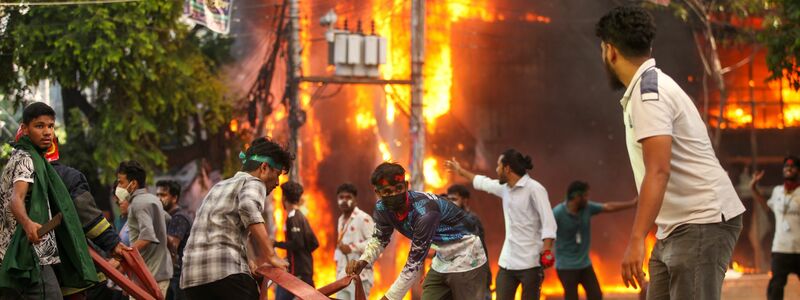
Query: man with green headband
pixel 31 193
pixel 215 262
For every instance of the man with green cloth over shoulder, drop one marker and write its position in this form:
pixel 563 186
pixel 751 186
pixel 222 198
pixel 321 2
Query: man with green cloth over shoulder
pixel 31 193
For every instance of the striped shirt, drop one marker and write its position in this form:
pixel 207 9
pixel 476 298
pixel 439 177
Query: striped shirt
pixel 216 246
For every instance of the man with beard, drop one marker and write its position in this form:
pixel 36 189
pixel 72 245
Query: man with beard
pixel 573 238
pixel 529 223
pixel 459 195
pixel 682 187
pixel 355 228
pixel 215 260
pixel 785 204
pixel 169 192
pixel 459 268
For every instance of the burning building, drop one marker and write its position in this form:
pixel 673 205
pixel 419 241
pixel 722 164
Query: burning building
pixel 498 74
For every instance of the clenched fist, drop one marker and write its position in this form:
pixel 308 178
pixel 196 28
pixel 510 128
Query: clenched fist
pixel 354 267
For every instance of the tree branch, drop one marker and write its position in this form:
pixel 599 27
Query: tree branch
pixel 73 98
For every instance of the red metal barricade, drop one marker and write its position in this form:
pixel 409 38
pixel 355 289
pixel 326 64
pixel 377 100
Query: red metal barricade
pixel 302 290
pixel 133 265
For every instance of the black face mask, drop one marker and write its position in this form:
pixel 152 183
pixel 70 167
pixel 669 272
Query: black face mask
pixel 395 203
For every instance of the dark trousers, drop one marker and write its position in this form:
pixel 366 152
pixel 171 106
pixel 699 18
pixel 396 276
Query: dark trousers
pixel 469 285
pixel 236 286
pixel 585 277
pixel 783 264
pixel 47 289
pixel 175 292
pixel 283 294
pixel 530 279
pixel 691 262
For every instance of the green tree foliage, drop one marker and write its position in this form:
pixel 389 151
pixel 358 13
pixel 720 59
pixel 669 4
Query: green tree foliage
pixel 135 77
pixel 781 35
pixel 737 21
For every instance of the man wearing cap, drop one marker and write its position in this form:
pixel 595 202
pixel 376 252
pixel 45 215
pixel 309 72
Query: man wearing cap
pixel 785 204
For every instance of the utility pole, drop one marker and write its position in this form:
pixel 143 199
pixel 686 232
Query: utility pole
pixel 294 65
pixel 417 127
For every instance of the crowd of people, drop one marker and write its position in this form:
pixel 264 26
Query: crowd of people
pixel 682 190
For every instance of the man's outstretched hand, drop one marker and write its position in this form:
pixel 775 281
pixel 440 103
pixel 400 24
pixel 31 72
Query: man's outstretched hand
pixel 354 267
pixel 452 165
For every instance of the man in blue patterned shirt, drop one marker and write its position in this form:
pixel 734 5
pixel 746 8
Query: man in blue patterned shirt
pixel 459 269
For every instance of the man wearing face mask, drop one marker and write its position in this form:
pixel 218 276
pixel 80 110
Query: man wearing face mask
pixel 147 221
pixel 459 269
pixel 529 221
pixel 573 238
pixel 354 230
pixel 215 263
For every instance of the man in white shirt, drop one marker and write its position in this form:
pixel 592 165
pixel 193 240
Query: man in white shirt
pixel 682 187
pixel 529 223
pixel 354 230
pixel 785 204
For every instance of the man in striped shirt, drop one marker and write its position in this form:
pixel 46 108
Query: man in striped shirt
pixel 215 259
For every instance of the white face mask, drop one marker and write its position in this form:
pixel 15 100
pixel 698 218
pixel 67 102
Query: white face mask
pixel 342 201
pixel 122 193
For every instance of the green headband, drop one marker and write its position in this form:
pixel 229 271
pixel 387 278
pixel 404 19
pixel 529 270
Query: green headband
pixel 263 159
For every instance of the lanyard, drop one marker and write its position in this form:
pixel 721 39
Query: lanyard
pixel 342 230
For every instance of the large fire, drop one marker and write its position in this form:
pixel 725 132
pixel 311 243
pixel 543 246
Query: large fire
pixel 392 21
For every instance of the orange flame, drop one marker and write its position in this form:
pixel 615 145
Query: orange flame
pixel 392 22
pixel 432 178
pixel 738 112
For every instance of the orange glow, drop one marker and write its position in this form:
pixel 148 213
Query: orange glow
pixel 433 179
pixel 741 269
pixel 532 17
pixel 390 111
pixel 608 275
pixel 738 114
pixel 312 148
pixel 385 154
pixel 234 125
pixel 392 22
pixel 365 120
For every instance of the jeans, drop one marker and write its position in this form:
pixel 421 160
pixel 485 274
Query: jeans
pixel 469 285
pixel 691 262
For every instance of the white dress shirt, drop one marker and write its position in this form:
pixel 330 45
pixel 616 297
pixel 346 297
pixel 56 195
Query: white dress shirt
pixel 528 220
pixel 356 232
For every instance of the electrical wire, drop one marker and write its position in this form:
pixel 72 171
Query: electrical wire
pixel 63 3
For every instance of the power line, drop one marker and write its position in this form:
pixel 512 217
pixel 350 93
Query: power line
pixel 56 3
